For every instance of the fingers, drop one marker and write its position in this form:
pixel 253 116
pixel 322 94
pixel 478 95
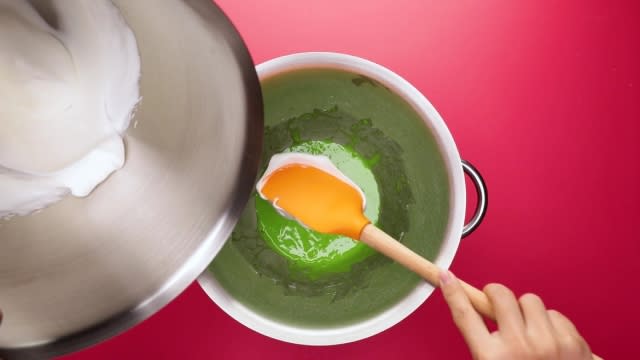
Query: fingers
pixel 508 314
pixel 539 331
pixel 464 315
pixel 561 323
pixel 527 330
pixel 535 314
pixel 569 340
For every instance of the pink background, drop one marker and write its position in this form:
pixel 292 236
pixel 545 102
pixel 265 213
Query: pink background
pixel 543 97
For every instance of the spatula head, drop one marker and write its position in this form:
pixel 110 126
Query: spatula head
pixel 316 198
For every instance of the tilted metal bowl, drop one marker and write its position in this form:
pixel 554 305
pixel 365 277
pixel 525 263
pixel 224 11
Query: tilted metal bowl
pixel 85 269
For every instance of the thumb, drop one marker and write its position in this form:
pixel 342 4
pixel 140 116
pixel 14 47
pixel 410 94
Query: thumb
pixel 468 321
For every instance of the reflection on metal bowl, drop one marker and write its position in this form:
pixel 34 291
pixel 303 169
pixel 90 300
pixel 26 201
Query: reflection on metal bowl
pixel 85 269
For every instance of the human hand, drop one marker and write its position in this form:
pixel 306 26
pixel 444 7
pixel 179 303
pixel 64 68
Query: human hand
pixel 526 329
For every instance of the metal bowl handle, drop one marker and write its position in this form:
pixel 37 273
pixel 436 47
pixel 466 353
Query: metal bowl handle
pixel 483 199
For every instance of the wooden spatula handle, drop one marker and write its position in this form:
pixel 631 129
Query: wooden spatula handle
pixel 385 244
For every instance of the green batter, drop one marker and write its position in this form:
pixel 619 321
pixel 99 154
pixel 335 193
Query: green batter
pixel 285 272
pixel 309 252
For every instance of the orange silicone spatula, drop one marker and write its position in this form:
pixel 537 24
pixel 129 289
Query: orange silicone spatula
pixel 314 192
pixel 326 203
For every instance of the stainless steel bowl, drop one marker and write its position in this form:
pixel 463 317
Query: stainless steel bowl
pixel 85 269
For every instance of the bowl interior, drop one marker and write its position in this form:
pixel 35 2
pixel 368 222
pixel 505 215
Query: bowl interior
pixel 84 269
pixel 366 114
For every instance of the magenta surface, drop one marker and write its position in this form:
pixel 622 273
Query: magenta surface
pixel 543 97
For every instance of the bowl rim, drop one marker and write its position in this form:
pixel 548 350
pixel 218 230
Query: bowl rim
pixel 457 197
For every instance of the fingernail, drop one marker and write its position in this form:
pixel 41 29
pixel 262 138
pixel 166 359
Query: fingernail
pixel 445 277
